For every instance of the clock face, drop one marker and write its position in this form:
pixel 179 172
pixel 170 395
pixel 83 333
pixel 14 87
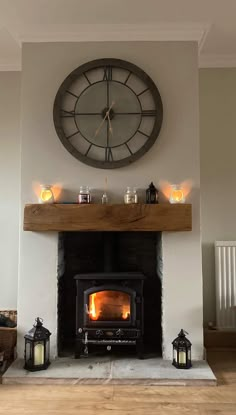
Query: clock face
pixel 108 113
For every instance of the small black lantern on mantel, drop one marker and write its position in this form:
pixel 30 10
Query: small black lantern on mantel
pixel 182 351
pixel 151 194
pixel 37 347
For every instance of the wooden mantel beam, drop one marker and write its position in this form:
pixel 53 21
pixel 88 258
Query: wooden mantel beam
pixel 98 217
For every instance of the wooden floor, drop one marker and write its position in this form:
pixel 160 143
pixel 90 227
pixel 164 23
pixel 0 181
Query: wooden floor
pixel 127 400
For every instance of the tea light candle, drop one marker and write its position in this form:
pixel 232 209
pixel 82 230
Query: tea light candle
pixel 176 194
pixel 46 194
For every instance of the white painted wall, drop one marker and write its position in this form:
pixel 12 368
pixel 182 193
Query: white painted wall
pixel 218 170
pixel 174 157
pixel 9 186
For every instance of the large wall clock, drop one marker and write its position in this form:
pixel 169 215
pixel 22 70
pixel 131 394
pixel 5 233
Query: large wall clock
pixel 108 113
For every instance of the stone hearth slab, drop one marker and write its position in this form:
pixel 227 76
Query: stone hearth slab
pixel 112 370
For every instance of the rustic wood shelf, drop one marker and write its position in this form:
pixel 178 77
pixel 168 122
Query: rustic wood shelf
pixel 98 217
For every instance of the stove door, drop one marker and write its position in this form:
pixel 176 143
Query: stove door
pixel 109 306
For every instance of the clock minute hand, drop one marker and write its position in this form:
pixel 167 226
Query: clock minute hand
pixel 99 127
pixel 106 116
pixel 110 127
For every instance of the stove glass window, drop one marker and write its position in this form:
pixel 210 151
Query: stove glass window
pixel 109 305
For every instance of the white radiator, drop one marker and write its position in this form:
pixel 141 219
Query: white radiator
pixel 225 271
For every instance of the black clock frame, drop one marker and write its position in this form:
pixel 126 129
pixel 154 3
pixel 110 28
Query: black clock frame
pixel 108 64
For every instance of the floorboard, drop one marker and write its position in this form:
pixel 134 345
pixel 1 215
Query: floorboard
pixel 124 400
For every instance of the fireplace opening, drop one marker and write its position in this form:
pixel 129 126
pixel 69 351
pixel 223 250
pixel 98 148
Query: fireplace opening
pixel 109 291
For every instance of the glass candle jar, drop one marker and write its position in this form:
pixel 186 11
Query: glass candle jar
pixel 130 195
pixel 176 194
pixel 46 194
pixel 84 195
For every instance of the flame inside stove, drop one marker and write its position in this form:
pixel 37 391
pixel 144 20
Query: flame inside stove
pixel 126 312
pixel 109 305
pixel 92 310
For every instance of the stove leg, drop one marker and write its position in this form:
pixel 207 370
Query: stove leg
pixel 140 349
pixel 79 348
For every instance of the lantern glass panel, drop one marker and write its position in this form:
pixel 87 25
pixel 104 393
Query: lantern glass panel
pixel 39 353
pixel 47 345
pixel 28 352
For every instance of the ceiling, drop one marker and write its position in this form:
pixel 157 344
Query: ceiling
pixel 210 22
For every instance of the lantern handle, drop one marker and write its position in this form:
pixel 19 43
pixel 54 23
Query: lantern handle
pixel 182 332
pixel 38 321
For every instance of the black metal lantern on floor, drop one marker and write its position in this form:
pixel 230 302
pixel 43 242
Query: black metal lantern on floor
pixel 182 351
pixel 151 194
pixel 37 347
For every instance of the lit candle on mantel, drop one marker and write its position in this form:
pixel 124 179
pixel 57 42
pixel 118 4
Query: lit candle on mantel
pixel 46 194
pixel 176 194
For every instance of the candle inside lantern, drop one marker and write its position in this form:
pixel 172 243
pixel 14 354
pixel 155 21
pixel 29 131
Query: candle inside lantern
pixel 182 358
pixel 39 354
pixel 176 194
pixel 46 194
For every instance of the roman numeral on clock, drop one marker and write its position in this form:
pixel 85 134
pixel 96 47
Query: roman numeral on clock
pixel 107 73
pixel 67 114
pixel 108 154
pixel 148 113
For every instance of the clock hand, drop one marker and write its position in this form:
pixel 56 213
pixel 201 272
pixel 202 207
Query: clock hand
pixel 109 109
pixel 106 116
pixel 110 127
pixel 99 127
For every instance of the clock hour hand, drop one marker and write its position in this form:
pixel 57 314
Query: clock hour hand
pixel 109 109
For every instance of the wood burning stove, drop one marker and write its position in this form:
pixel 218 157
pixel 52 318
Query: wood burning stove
pixel 109 310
